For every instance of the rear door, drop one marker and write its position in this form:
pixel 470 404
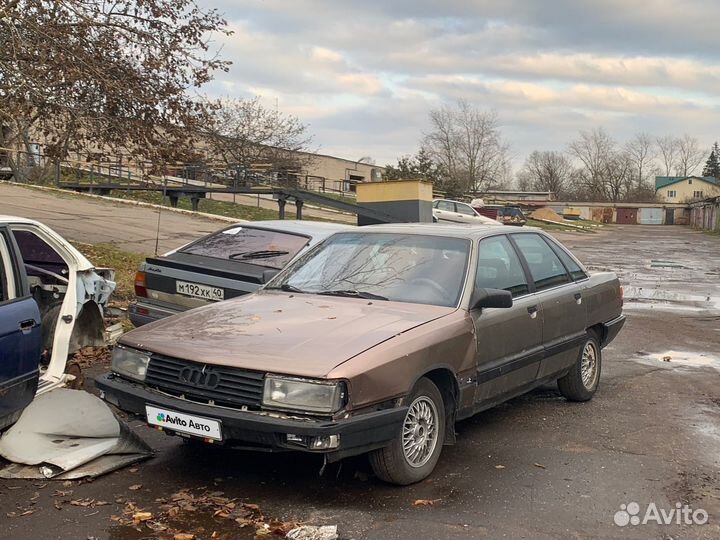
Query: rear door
pixel 509 341
pixel 19 335
pixel 445 211
pixel 559 296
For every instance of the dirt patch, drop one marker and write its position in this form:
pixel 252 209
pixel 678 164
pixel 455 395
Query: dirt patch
pixel 546 213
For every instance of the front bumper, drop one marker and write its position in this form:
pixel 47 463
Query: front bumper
pixel 357 434
pixel 143 313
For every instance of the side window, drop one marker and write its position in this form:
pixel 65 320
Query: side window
pixel 446 205
pixel 575 271
pixel 545 267
pixel 499 267
pixel 464 209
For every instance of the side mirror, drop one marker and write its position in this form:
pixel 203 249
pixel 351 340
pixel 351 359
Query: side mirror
pixel 491 298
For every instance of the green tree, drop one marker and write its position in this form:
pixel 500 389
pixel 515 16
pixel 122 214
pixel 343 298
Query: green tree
pixel 712 165
pixel 421 166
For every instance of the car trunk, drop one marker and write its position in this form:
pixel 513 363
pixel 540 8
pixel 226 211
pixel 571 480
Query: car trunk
pixel 185 280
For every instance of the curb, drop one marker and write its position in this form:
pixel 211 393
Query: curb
pixel 133 203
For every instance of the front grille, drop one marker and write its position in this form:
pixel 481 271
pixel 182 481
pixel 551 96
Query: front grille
pixel 232 387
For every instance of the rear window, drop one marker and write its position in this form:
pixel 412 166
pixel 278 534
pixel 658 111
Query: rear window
pixel 262 247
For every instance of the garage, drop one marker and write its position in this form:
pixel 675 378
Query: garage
pixel 650 216
pixel 627 216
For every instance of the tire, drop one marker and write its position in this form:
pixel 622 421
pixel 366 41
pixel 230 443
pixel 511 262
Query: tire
pixel 392 463
pixel 573 386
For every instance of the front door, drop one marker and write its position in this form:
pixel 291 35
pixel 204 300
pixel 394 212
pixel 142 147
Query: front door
pixel 509 340
pixel 670 216
pixel 19 337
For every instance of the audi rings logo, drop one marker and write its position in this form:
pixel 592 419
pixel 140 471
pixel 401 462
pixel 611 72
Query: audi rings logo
pixel 203 378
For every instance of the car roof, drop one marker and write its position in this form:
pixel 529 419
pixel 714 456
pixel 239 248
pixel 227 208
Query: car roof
pixel 463 230
pixel 16 219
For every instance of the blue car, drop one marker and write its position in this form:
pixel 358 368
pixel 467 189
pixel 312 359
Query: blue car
pixel 20 336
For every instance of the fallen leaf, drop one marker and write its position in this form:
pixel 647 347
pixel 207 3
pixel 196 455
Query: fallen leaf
pixel 135 487
pixel 425 502
pixel 67 483
pixel 184 536
pixel 667 358
pixel 60 493
pixel 142 516
pixel 332 317
pixel 36 496
pixel 101 503
pixel 540 466
pixel 82 502
pixel 499 466
pixel 27 513
pixel 59 504
pixel 134 469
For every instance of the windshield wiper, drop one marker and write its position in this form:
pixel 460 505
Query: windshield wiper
pixel 354 294
pixel 261 254
pixel 287 288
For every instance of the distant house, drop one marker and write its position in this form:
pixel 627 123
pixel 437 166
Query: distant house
pixel 681 189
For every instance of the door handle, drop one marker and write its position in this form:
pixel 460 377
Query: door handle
pixel 578 298
pixel 533 311
pixel 28 325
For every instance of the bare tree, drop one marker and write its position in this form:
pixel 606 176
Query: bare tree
pixel 668 151
pixel 98 75
pixel 641 152
pixel 594 149
pixel 548 171
pixel 251 139
pixel 690 155
pixel 618 176
pixel 467 144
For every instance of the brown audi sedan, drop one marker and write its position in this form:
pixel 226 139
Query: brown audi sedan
pixel 375 341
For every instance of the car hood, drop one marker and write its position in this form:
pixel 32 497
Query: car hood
pixel 295 334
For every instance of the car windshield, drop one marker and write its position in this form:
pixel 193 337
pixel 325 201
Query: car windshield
pixel 250 245
pixel 384 266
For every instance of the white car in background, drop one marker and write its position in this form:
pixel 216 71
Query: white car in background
pixel 447 211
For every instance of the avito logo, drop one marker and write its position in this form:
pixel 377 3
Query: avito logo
pixel 168 419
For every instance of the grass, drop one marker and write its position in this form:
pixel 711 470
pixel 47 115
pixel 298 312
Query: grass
pixel 554 227
pixel 124 263
pixel 218 208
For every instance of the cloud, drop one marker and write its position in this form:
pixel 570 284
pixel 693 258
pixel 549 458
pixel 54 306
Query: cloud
pixel 364 75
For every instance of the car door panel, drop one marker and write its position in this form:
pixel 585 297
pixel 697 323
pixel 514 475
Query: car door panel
pixel 509 340
pixel 560 299
pixel 510 350
pixel 563 327
pixel 19 338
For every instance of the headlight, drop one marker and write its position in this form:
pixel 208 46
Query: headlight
pixel 130 363
pixel 303 395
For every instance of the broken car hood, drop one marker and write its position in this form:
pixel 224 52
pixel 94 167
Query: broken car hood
pixel 295 334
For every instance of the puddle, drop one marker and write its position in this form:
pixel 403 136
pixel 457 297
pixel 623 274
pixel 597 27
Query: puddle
pixel 673 265
pixel 671 299
pixel 675 359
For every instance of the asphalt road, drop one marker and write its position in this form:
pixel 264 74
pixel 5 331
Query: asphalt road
pixel 537 467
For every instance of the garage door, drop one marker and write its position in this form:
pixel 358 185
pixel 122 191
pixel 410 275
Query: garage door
pixel 650 216
pixel 627 216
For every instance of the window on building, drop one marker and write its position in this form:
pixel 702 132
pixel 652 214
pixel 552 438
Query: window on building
pixel 690 181
pixel 671 194
pixel 697 194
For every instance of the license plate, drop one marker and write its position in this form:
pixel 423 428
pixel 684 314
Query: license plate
pixel 205 292
pixel 184 423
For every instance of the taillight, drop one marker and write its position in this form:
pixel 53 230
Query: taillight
pixel 140 285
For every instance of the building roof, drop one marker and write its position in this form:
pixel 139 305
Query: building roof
pixel 663 181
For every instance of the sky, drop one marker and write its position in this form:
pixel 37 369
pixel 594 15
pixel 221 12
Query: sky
pixel 364 75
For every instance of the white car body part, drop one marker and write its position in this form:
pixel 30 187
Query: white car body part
pixel 84 297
